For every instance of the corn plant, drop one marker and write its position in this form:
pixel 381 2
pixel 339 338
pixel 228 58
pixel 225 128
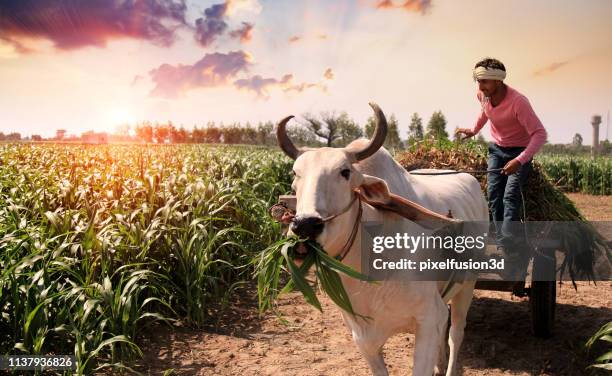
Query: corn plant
pixel 603 336
pixel 579 173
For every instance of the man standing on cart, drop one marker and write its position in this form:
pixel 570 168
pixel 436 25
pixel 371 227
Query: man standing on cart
pixel 517 135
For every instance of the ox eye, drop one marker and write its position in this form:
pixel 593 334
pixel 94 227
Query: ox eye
pixel 346 173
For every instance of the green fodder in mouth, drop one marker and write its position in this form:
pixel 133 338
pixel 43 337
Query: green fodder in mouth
pixel 280 256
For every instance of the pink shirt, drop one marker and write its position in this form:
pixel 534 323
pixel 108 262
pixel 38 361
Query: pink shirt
pixel 513 123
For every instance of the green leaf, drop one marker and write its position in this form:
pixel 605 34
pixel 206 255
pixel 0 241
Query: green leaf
pixel 332 263
pixel 605 357
pixel 297 276
pixel 607 366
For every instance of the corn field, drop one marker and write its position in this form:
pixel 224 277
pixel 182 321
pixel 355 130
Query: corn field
pixel 98 242
pixel 579 174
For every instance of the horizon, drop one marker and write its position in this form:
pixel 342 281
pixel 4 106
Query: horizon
pixel 83 66
pixel 133 136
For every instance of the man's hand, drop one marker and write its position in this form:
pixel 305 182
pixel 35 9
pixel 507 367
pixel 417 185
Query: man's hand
pixel 466 131
pixel 511 167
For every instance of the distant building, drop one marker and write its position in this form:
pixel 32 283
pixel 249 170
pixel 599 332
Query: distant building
pixel 92 137
pixel 59 134
pixel 15 136
pixel 36 137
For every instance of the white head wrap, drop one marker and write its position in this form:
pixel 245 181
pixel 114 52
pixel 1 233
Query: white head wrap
pixel 482 73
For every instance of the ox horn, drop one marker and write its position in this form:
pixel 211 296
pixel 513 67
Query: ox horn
pixel 380 133
pixel 283 140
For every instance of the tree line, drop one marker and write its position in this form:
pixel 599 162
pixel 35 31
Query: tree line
pixel 325 129
pixel 576 147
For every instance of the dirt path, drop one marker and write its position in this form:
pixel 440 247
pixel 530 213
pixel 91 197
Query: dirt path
pixel 594 208
pixel 498 338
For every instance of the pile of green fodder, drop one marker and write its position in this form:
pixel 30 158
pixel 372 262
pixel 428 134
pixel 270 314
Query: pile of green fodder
pixel 543 201
pixel 278 259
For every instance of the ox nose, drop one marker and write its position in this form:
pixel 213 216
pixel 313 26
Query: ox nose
pixel 307 227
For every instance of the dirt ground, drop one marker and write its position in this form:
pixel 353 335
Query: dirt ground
pixel 595 208
pixel 498 338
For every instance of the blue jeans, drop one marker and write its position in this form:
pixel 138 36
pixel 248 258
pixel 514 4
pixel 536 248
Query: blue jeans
pixel 505 200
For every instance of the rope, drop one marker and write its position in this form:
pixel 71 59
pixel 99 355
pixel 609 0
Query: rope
pixel 457 172
pixel 355 197
pixel 352 236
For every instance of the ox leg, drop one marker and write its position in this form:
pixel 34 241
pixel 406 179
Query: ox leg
pixel 460 304
pixel 370 345
pixel 442 365
pixel 430 329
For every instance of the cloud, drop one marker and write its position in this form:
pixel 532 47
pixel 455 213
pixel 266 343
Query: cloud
pixel 212 25
pixel 245 33
pixel 417 5
pixel 421 6
pixel 303 86
pixel 236 6
pixel 329 74
pixel 261 86
pixel 384 4
pixel 299 38
pixel 16 45
pixel 550 69
pixel 137 79
pixel 75 24
pixel 215 69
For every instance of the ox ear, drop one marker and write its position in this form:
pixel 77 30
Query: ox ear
pixel 375 190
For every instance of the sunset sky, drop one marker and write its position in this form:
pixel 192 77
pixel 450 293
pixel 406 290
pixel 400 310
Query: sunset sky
pixel 82 65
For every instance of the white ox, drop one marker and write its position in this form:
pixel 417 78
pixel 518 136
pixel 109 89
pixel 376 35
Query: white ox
pixel 325 179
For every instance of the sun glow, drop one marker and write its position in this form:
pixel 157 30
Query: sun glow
pixel 119 116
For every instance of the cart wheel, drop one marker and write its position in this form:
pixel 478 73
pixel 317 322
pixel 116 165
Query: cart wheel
pixel 543 294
